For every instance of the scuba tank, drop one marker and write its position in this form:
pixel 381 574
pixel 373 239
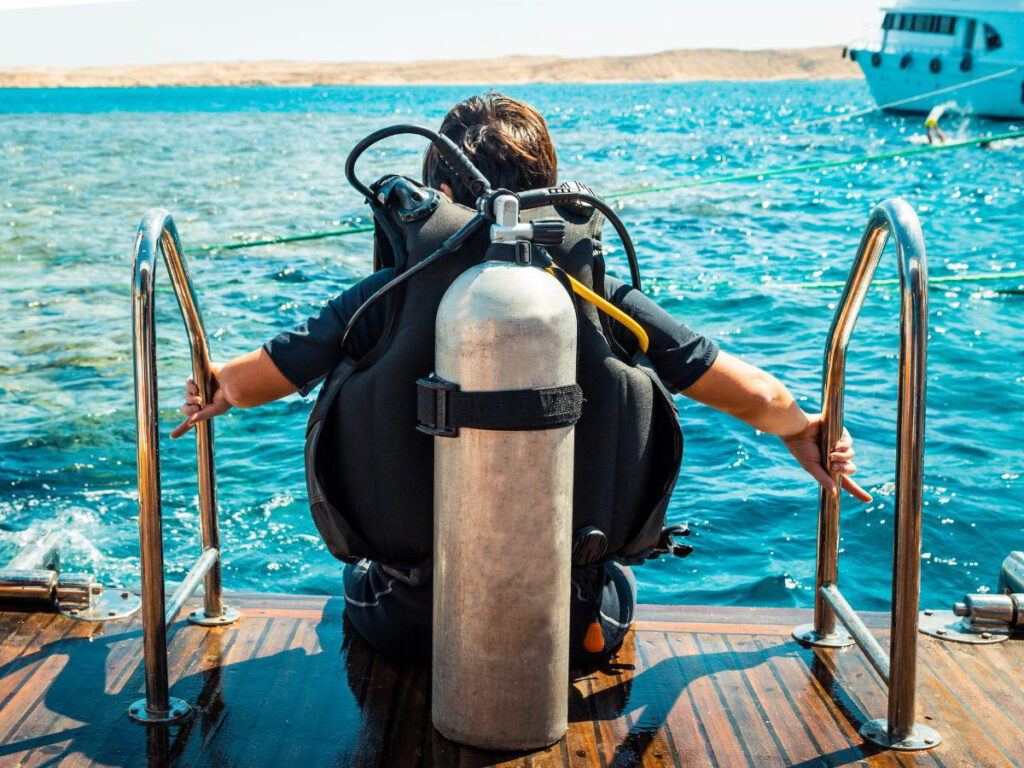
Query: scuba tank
pixel 506 348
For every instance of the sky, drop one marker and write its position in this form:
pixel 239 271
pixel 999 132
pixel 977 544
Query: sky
pixel 73 33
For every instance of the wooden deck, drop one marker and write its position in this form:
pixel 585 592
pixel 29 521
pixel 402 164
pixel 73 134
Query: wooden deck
pixel 292 685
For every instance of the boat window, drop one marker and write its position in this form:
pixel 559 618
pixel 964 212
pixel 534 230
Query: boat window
pixel 930 23
pixel 992 38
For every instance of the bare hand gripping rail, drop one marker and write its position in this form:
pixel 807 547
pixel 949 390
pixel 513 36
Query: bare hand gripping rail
pixel 158 233
pixel 899 731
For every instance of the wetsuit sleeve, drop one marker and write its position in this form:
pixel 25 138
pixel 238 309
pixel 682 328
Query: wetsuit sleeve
pixel 679 354
pixel 306 354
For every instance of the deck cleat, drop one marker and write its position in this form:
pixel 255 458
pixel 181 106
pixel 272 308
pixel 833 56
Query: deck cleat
pixel 82 598
pixel 983 618
pixel 33 576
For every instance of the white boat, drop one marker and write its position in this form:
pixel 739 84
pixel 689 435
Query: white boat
pixel 969 51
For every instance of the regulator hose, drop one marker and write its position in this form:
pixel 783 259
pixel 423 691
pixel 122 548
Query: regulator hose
pixel 450 153
pixel 536 198
pixel 450 245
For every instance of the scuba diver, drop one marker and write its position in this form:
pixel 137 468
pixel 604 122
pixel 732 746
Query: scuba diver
pixel 369 464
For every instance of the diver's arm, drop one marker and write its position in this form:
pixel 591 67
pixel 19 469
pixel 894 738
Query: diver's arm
pixel 247 381
pixel 749 394
pixel 758 398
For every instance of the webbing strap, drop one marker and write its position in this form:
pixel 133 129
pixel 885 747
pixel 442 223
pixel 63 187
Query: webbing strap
pixel 442 408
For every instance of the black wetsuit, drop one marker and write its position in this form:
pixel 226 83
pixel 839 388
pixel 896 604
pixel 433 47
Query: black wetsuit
pixel 396 617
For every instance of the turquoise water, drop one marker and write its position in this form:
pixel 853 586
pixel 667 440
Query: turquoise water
pixel 78 168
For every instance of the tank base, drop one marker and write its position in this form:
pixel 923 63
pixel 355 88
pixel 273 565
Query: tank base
pixel 480 741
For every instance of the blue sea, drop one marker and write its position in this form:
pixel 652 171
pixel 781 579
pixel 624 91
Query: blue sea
pixel 78 168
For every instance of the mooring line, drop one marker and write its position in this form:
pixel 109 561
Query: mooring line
pixel 900 102
pixel 976 277
pixel 278 240
pixel 857 160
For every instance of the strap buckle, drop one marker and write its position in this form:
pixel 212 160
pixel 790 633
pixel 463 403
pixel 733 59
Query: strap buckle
pixel 433 406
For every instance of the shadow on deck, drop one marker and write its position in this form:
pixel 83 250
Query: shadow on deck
pixel 293 685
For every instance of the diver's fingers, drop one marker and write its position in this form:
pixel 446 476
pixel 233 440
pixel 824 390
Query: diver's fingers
pixel 852 488
pixel 845 468
pixel 841 455
pixel 203 414
pixel 824 480
pixel 189 408
pixel 191 388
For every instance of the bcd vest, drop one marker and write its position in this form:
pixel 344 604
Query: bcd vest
pixel 370 472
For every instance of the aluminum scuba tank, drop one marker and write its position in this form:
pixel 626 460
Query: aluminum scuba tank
pixel 503 515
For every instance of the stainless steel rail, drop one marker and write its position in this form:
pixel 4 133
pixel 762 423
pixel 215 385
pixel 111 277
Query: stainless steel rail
pixel 897 219
pixel 157 233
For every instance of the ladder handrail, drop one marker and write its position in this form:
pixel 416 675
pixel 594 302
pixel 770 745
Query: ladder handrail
pixel 158 233
pixel 896 219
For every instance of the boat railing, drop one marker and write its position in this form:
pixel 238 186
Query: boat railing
pixel 896 219
pixel 157 233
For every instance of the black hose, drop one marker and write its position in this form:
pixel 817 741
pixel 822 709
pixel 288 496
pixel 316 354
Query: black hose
pixel 456 159
pixel 538 197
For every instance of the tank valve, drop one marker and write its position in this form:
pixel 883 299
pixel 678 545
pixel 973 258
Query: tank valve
pixel 547 232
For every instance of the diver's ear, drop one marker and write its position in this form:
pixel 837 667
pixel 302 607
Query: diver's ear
pixel 448 191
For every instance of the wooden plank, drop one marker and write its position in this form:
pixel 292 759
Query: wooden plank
pixel 791 740
pixel 740 614
pixel 857 695
pixel 23 653
pixel 723 738
pixel 331 668
pixel 761 747
pixel 608 696
pixel 946 662
pixel 787 679
pixel 662 699
pixel 651 739
pixel 963 734
pixel 677 694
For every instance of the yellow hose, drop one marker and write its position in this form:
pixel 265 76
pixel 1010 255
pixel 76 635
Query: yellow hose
pixel 609 309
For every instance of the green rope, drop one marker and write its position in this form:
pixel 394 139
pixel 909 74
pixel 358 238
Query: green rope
pixel 755 175
pixel 277 240
pixel 862 159
pixel 975 278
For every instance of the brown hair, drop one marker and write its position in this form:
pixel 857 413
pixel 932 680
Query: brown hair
pixel 505 138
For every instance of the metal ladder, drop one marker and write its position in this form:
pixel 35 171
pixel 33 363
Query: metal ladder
pixel 893 218
pixel 157 232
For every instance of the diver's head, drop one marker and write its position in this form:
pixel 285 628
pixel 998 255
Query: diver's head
pixel 505 138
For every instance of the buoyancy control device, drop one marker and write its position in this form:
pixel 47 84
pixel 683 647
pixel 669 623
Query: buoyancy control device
pixel 369 454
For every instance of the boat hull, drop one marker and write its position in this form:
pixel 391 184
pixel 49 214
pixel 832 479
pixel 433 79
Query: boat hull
pixel 1000 97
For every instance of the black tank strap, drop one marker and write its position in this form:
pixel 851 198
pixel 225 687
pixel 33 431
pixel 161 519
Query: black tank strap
pixel 442 407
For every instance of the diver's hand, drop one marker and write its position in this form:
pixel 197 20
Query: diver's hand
pixel 195 410
pixel 804 447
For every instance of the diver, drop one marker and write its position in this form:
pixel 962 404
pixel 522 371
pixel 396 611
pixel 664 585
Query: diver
pixel 370 471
